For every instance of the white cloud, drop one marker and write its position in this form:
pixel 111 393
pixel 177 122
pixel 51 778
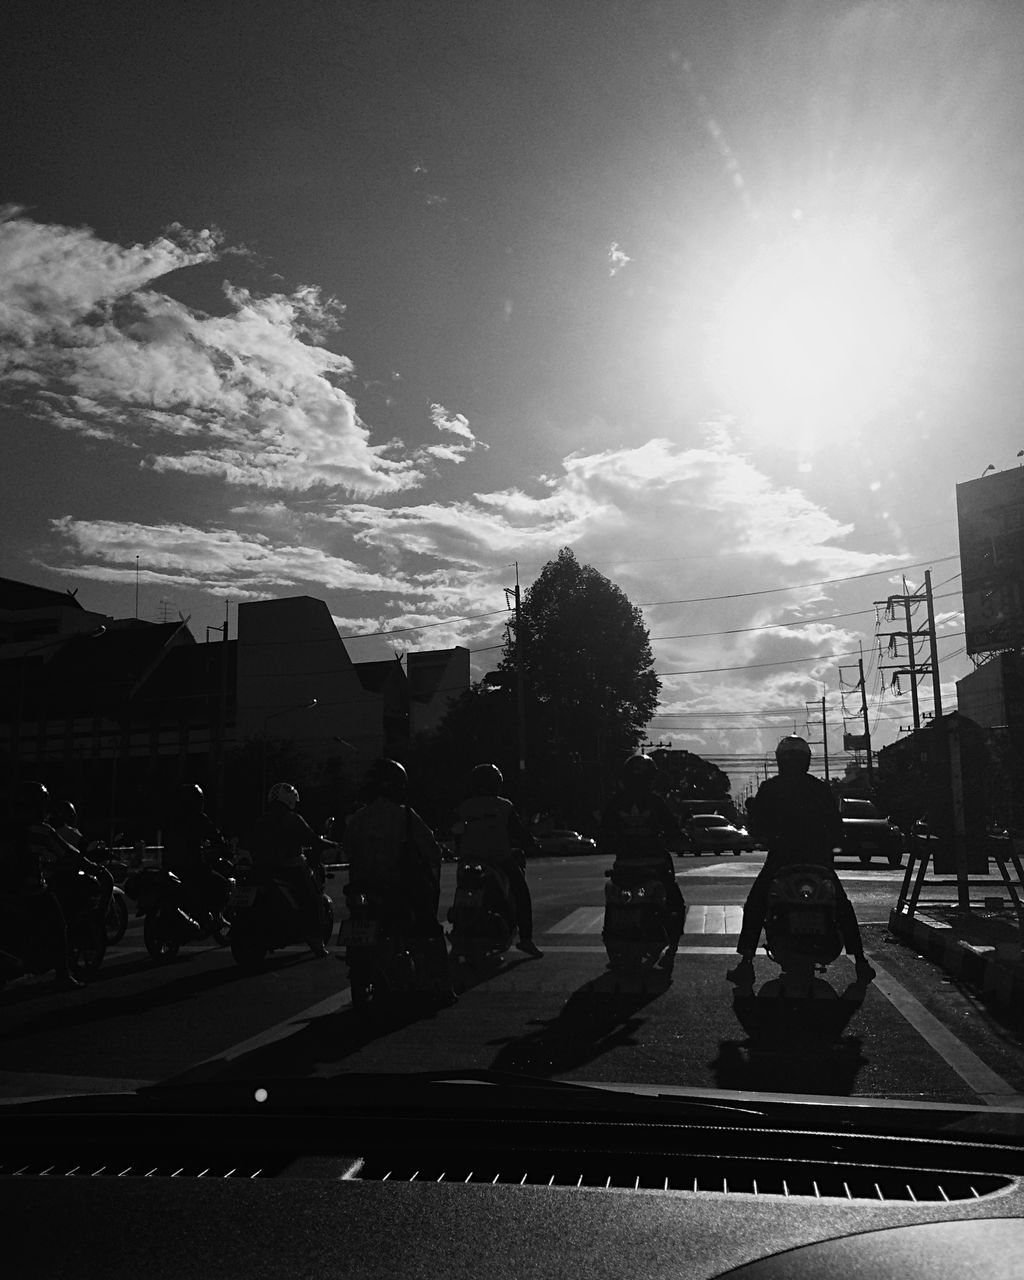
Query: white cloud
pixel 617 259
pixel 251 397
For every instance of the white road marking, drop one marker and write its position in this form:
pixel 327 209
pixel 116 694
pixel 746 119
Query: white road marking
pixel 741 870
pixel 582 920
pixel 708 918
pixel 680 951
pixel 25 1087
pixel 703 918
pixel 280 1031
pixel 986 1083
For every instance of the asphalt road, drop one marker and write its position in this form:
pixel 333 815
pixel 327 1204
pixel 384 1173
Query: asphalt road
pixel 918 1035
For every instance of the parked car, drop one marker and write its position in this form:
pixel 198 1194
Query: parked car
pixel 716 834
pixel 564 842
pixel 868 834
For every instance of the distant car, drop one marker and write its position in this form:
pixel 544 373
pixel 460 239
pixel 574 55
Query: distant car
pixel 716 834
pixel 564 842
pixel 868 834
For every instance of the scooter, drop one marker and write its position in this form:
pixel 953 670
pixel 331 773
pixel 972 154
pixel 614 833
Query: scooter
pixel 482 916
pixel 265 916
pixel 636 930
pixel 802 936
pixel 172 917
pixel 22 952
pixel 386 955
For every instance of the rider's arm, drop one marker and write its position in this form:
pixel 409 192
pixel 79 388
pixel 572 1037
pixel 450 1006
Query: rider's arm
pixel 519 836
pixel 423 838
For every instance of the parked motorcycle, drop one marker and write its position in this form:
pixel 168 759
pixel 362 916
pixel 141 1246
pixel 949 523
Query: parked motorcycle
pixel 637 926
pixel 22 951
pixel 265 916
pixel 172 917
pixel 482 916
pixel 802 936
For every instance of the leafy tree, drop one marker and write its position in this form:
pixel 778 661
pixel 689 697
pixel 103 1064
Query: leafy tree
pixel 587 666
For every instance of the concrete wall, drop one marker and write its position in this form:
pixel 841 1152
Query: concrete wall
pixel 289 652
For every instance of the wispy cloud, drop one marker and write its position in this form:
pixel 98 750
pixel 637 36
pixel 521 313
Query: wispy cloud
pixel 251 397
pixel 617 258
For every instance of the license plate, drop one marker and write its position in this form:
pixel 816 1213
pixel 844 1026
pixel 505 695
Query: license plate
pixel 469 898
pixel 359 933
pixel 806 923
pixel 242 897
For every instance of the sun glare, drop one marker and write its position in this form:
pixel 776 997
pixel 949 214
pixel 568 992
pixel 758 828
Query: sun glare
pixel 817 334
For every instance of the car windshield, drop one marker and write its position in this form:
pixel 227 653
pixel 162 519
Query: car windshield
pixel 454 454
pixel 858 809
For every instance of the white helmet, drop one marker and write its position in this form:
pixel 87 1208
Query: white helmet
pixel 284 793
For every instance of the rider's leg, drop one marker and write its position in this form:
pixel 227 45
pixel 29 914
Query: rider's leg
pixel 520 891
pixel 846 918
pixel 753 921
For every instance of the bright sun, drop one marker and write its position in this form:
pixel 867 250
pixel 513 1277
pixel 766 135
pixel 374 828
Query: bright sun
pixel 819 334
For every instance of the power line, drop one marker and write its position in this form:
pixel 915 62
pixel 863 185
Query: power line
pixel 775 626
pixel 799 586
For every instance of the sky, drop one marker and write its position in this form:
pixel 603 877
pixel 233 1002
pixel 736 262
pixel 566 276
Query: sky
pixel 376 301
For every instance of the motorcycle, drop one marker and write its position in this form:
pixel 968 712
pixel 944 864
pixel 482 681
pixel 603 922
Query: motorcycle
pixel 82 896
pixel 637 926
pixel 172 916
pixel 265 915
pixel 482 916
pixel 386 955
pixel 802 936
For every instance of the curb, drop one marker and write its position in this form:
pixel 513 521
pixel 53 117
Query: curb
pixel 1000 980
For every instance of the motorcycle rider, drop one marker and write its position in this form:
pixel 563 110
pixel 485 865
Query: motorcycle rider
pixel 392 852
pixel 36 868
pixel 637 821
pixel 491 832
pixel 281 843
pixel 190 836
pixel 795 816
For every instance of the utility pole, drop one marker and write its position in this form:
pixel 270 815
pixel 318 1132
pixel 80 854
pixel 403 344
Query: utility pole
pixel 520 679
pixel 824 736
pixel 933 645
pixel 867 729
pixel 912 668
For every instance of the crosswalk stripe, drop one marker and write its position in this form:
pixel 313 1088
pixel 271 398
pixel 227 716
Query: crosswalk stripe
pixel 582 920
pixel 704 919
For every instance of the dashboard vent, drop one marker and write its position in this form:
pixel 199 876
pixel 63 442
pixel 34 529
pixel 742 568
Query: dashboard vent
pixel 136 1165
pixel 722 1175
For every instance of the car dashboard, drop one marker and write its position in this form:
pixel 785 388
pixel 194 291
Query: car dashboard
pixel 384 1191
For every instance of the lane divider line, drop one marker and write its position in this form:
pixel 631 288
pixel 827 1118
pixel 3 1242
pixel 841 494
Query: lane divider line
pixel 977 1075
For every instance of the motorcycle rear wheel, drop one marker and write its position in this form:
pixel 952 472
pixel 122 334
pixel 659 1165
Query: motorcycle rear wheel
pixel 159 944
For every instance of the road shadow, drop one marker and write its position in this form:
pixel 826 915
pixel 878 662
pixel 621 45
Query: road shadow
pixel 600 1016
pixel 78 1009
pixel 791 1046
pixel 318 1042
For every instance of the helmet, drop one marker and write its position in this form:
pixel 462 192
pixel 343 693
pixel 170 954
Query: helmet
pixel 283 793
pixel 386 778
pixel 32 802
pixel 639 769
pixel 486 780
pixel 793 752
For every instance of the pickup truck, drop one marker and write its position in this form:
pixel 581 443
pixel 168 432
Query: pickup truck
pixel 868 834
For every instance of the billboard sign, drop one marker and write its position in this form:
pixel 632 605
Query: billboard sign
pixel 990 514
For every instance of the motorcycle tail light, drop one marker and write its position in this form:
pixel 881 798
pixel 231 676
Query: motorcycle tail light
pixel 806 890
